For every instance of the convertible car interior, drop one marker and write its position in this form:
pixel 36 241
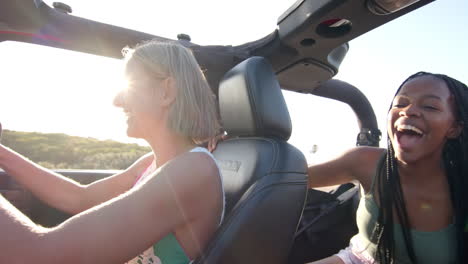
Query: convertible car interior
pixel 271 217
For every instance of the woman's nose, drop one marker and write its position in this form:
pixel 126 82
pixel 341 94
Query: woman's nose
pixel 410 110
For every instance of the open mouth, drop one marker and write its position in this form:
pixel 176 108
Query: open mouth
pixel 408 136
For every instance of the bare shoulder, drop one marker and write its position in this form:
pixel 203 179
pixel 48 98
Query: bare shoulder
pixel 144 160
pixel 140 164
pixel 195 163
pixel 194 177
pixel 363 161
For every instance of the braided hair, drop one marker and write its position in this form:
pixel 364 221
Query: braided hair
pixel 390 193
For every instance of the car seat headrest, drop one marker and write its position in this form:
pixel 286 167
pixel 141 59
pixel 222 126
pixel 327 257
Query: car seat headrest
pixel 251 102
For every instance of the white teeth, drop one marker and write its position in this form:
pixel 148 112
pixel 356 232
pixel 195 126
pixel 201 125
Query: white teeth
pixel 409 127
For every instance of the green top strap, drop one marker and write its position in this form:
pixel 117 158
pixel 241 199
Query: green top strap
pixel 169 251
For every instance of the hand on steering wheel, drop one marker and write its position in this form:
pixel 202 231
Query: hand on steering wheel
pixel 13 193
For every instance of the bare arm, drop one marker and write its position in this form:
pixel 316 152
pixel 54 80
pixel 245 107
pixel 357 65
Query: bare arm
pixel 123 227
pixel 16 229
pixel 356 164
pixel 63 193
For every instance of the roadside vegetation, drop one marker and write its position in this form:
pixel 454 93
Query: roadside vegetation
pixel 61 151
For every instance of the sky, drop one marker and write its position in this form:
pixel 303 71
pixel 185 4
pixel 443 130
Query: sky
pixel 51 90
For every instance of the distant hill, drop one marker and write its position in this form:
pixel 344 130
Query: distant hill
pixel 61 151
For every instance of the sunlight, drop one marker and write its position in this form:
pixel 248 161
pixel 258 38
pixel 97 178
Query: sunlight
pixel 61 91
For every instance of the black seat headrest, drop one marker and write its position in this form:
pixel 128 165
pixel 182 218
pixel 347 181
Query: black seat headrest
pixel 251 102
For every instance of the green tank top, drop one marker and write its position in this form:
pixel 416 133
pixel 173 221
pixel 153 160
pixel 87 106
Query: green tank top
pixel 169 251
pixel 166 251
pixel 430 247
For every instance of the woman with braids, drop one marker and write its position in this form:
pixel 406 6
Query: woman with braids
pixel 415 202
pixel 415 193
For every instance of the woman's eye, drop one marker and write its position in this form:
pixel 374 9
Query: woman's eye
pixel 430 107
pixel 400 102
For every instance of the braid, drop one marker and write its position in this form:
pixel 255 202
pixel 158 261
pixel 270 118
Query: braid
pixel 390 193
pixel 391 196
pixel 456 163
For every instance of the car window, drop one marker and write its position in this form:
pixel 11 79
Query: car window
pixel 64 94
pixel 322 128
pixel 60 91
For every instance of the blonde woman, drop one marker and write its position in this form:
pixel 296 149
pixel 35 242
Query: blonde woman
pixel 162 209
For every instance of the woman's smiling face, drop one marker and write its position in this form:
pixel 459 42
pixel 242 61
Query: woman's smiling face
pixel 141 101
pixel 421 120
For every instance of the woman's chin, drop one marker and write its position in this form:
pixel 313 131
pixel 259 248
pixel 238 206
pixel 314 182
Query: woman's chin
pixel 406 157
pixel 131 133
pixel 404 154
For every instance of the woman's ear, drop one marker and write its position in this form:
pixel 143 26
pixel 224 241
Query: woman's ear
pixel 169 91
pixel 455 130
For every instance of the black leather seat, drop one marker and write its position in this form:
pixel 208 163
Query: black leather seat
pixel 264 177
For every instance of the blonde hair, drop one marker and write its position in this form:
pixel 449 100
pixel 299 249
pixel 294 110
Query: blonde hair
pixel 193 113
